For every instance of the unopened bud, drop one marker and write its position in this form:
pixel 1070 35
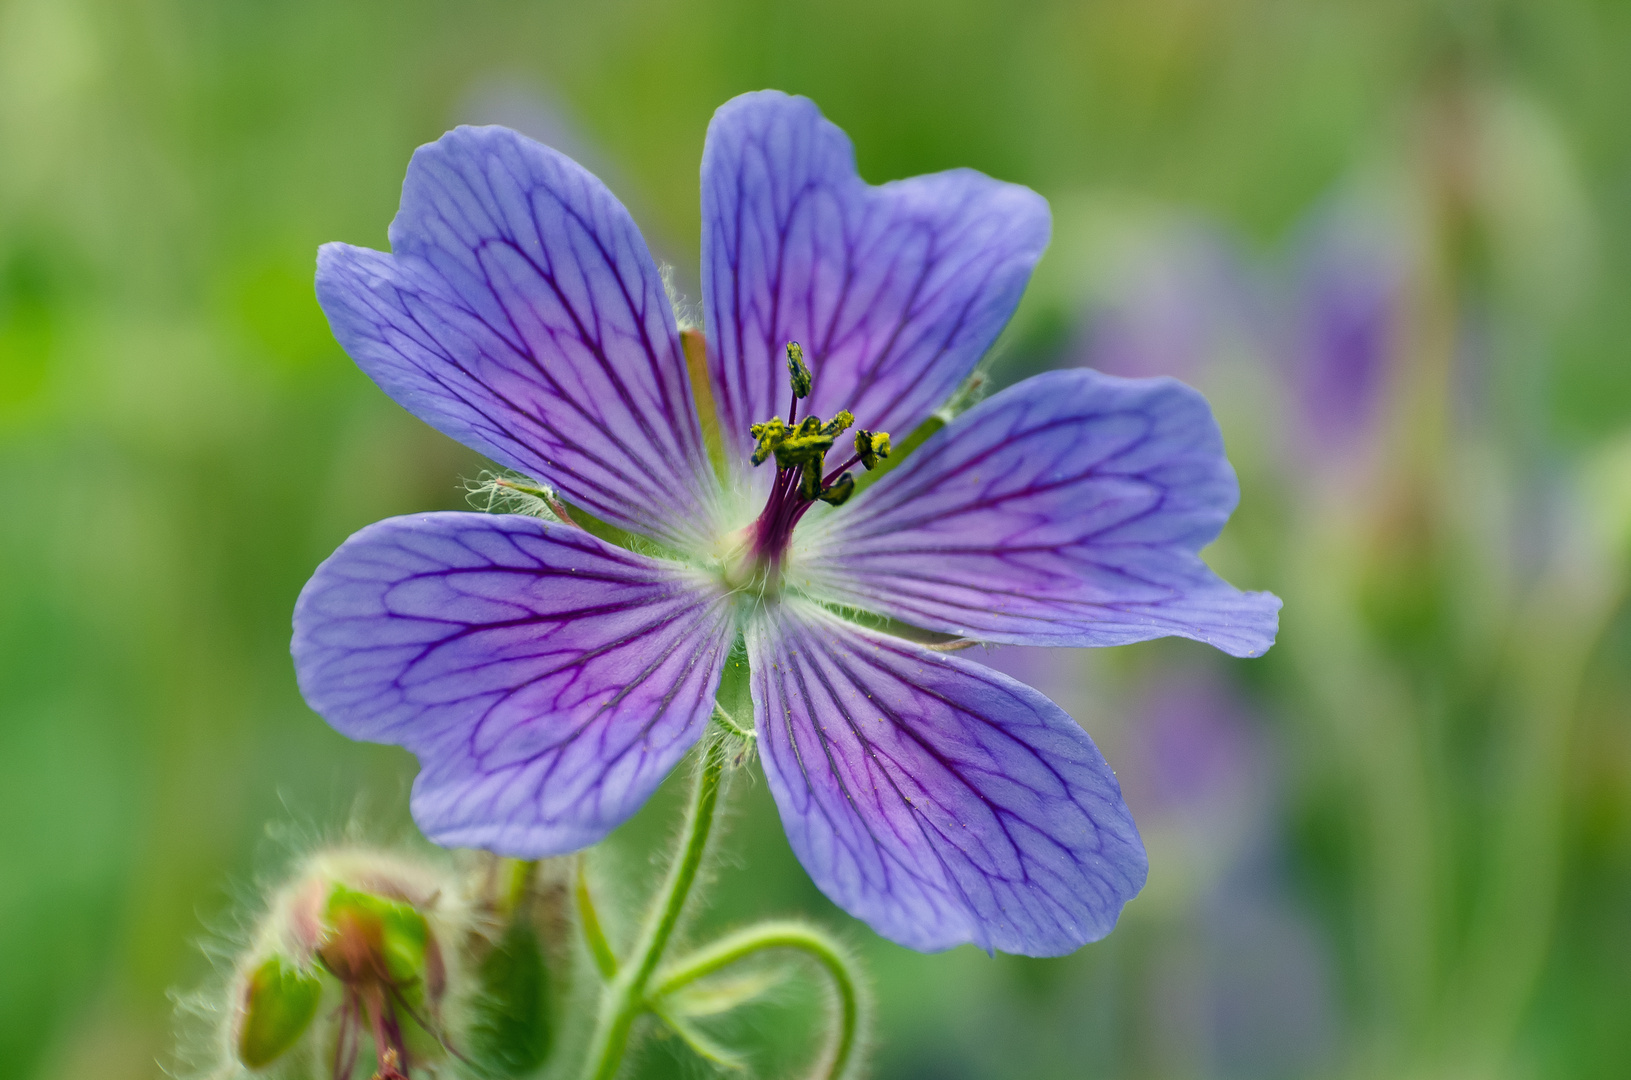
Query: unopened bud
pixel 277 1005
pixel 420 966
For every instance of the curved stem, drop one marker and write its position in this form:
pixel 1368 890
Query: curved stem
pixel 624 998
pixel 589 920
pixel 779 935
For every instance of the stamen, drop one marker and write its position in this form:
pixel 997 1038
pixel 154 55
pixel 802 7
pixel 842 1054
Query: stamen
pixel 797 371
pixel 800 449
pixel 839 423
pixel 769 435
pixel 805 443
pixel 838 492
pixel 870 446
pixel 810 481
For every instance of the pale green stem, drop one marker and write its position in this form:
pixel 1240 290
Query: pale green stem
pixel 589 919
pixel 1553 643
pixel 778 935
pixel 624 998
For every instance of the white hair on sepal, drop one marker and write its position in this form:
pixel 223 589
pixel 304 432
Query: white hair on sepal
pixel 512 493
pixel 687 312
pixel 969 393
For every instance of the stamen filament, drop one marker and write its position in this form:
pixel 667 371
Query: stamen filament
pixel 800 448
pixel 836 473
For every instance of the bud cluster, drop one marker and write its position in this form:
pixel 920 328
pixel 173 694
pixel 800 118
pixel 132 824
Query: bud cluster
pixel 425 970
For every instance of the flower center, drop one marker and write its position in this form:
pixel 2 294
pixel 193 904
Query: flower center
pixel 800 448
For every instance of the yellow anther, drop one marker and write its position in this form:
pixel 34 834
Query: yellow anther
pixel 798 450
pixel 841 422
pixel 797 372
pixel 870 446
pixel 768 435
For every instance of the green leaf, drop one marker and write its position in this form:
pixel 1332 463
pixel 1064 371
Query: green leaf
pixel 512 1027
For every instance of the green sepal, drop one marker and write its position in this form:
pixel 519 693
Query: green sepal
pixel 798 373
pixel 512 1022
pixel 279 1002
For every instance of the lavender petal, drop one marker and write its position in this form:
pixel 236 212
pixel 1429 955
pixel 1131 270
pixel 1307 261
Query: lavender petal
pixel 520 313
pixel 547 681
pixel 894 292
pixel 1067 510
pixel 937 800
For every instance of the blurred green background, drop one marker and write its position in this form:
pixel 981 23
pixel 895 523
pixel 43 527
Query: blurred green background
pixel 1398 846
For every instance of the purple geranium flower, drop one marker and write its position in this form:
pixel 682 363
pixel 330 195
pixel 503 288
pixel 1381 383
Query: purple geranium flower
pixel 548 680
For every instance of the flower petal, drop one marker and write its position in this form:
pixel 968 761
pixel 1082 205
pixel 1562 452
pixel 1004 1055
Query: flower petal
pixel 1067 510
pixel 546 680
pixel 938 800
pixel 895 292
pixel 520 312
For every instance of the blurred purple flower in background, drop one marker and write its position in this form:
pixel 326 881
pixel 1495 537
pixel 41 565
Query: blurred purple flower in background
pixel 1322 335
pixel 1341 328
pixel 548 679
pixel 1178 300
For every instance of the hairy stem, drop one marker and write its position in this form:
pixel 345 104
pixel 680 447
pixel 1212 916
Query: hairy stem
pixel 779 935
pixel 624 997
pixel 589 919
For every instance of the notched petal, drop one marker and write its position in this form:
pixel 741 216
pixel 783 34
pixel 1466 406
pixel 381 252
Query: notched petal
pixel 1067 510
pixel 894 292
pixel 938 800
pixel 547 681
pixel 520 312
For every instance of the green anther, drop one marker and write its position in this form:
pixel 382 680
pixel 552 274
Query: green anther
pixel 871 445
pixel 278 1005
pixel 803 444
pixel 810 482
pixel 768 435
pixel 797 371
pixel 838 492
pixel 841 422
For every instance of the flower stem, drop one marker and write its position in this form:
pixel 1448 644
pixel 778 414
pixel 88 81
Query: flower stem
pixel 779 935
pixel 624 998
pixel 589 919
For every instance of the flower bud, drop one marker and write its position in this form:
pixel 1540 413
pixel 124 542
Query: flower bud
pixel 420 961
pixel 278 1004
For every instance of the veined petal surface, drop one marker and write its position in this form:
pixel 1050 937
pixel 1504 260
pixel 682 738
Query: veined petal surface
pixel 894 292
pixel 546 680
pixel 520 312
pixel 937 800
pixel 1067 510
